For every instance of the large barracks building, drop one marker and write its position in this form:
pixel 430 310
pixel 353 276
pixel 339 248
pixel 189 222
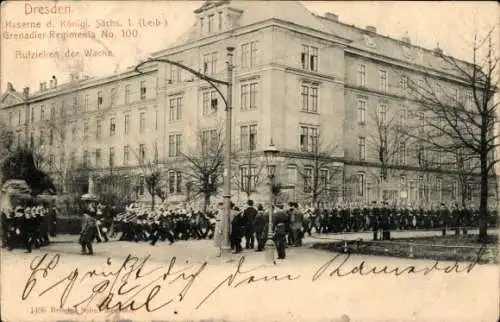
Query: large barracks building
pixel 312 84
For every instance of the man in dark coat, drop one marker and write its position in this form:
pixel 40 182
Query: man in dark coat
pixel 237 230
pixel 261 228
pixel 280 222
pixel 249 218
pixel 375 219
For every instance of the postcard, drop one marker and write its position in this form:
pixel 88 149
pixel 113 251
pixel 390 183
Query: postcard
pixel 248 161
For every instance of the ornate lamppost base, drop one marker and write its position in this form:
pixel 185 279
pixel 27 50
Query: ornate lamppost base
pixel 270 249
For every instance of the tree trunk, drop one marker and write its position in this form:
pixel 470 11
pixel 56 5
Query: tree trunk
pixel 483 204
pixel 206 202
pixel 152 197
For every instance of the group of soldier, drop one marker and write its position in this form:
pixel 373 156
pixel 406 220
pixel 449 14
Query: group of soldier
pixel 382 218
pixel 28 226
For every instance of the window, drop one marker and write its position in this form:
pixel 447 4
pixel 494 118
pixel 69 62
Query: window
pixel 403 117
pixel 439 188
pixel 249 95
pixel 455 191
pixel 126 124
pixel 99 99
pixel 210 63
pixel 51 136
pixel 361 111
pixel 73 133
pixel 85 130
pixel 292 175
pixel 421 120
pixel 469 100
pixel 254 51
pixel 42 113
pixel 86 103
pixel 98 129
pixel 211 23
pixel 248 137
pixel 361 148
pixel 142 153
pixel 309 58
pixel 85 159
pixel 175 74
pixel 220 21
pixel 309 98
pixel 209 139
pixel 308 139
pixel 210 103
pixel 202 25
pixel 125 155
pixel 359 185
pixel 111 157
pixel 383 114
pixel 127 94
pixel 245 55
pixel 383 81
pixel 32 140
pixel 75 104
pixel 174 145
pixel 142 122
pixel 51 161
pixel 362 75
pixel 308 179
pixel 248 178
pixel 32 115
pixel 156 119
pixel 10 118
pixel 404 85
pixel 402 183
pixel 402 153
pixel 98 158
pixel 421 188
pixel 19 118
pixel 112 126
pixel 324 180
pixel 456 96
pixel 143 90
pixel 175 111
pixel 175 182
pixel 52 113
pixel 112 96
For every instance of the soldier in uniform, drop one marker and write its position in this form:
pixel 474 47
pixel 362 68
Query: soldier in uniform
pixel 29 227
pixel 456 219
pixel 445 218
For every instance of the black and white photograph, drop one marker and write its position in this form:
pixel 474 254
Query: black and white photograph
pixel 249 161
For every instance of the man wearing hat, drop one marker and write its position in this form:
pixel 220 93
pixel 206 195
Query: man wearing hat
pixel 280 221
pixel 249 215
pixel 89 229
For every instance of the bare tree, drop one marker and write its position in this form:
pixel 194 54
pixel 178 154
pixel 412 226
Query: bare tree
pixel 205 165
pixel 454 121
pixel 317 167
pixel 387 142
pixel 151 170
pixel 249 171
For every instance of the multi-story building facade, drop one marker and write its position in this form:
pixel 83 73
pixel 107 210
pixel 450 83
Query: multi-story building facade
pixel 311 84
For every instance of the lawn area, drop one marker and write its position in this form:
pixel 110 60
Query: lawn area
pixel 454 248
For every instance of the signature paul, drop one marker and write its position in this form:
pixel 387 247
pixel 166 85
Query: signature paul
pixel 131 287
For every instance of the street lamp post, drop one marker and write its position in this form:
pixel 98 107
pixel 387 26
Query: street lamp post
pixel 271 154
pixel 225 242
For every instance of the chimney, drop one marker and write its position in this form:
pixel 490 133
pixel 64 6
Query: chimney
pixel 26 93
pixel 371 29
pixel 43 86
pixel 331 16
pixel 10 87
pixel 438 51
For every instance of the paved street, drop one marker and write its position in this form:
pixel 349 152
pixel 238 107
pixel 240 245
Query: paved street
pixel 456 297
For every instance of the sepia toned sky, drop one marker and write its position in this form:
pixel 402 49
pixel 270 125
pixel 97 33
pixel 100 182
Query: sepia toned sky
pixel 451 24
